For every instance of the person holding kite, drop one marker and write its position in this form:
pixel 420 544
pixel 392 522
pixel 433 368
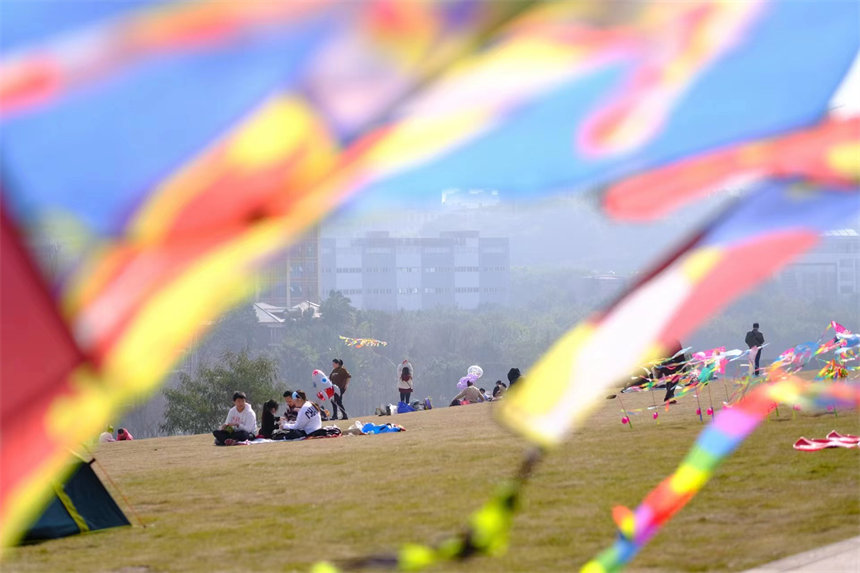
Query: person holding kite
pixel 405 384
pixel 755 340
pixel 123 435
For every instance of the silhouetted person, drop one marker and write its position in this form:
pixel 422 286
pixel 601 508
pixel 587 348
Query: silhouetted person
pixel 755 340
pixel 513 376
pixel 670 367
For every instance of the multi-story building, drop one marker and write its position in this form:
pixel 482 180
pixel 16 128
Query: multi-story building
pixel 293 277
pixel 831 269
pixel 456 269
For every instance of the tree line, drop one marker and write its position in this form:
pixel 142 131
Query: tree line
pixel 263 361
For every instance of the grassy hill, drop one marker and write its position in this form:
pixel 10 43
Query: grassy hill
pixel 282 506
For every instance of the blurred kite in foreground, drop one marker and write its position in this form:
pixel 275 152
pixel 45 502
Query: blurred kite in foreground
pixel 180 146
pixel 115 144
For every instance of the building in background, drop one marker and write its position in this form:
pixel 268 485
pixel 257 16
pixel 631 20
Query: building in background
pixel 294 277
pixel 457 269
pixel 831 269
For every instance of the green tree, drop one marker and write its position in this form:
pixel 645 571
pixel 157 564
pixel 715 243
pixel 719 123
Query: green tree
pixel 336 310
pixel 199 402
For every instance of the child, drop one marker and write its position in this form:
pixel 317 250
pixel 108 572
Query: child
pixel 123 435
pixel 270 419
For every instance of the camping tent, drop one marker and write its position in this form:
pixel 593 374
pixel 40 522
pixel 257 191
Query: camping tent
pixel 80 504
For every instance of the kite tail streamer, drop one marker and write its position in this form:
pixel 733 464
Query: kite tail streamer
pixel 487 533
pixel 719 439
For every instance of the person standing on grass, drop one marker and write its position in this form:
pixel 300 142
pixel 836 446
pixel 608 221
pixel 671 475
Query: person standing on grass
pixel 405 383
pixel 240 425
pixel 755 340
pixel 339 378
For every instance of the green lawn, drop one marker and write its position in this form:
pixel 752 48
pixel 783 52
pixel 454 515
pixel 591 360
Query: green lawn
pixel 282 506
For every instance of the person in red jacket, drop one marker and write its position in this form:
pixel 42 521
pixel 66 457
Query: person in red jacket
pixel 123 435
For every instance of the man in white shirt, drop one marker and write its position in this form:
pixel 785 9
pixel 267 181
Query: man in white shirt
pixel 240 425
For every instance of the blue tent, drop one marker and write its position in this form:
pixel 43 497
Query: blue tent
pixel 80 504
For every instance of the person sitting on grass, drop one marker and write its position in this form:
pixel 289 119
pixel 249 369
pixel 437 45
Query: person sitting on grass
pixel 291 412
pixel 499 390
pixel 308 421
pixel 123 435
pixel 270 419
pixel 107 435
pixel 468 395
pixel 241 423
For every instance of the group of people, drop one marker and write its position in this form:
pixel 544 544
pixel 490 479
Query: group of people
pixel 122 435
pixel 471 394
pixel 302 418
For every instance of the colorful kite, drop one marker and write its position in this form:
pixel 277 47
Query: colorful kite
pixel 323 386
pixel 362 342
pixel 142 178
pixel 824 154
pixel 603 107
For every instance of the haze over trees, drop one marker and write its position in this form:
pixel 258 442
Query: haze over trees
pixel 241 354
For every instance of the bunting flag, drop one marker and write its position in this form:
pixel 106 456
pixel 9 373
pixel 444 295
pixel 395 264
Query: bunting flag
pixel 722 436
pixel 735 252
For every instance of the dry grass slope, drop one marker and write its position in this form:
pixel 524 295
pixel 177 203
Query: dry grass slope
pixel 282 506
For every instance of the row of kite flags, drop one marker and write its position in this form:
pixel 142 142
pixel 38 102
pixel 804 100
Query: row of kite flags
pixel 695 374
